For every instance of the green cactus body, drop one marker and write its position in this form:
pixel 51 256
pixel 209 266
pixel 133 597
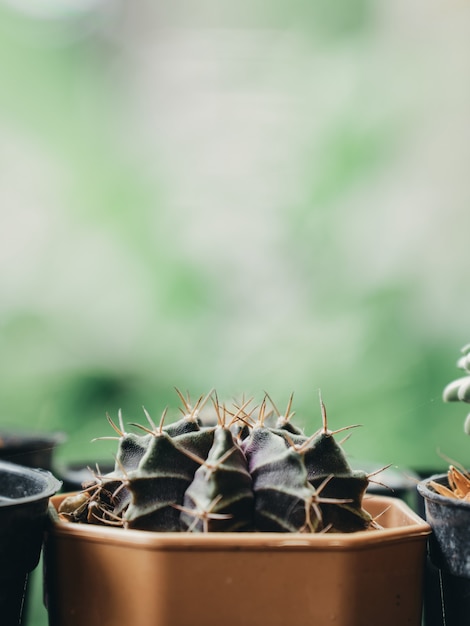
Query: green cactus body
pixel 131 449
pixel 284 422
pixel 164 473
pixel 220 498
pixel 283 495
pixel 160 481
pixel 114 497
pixel 191 421
pixel 105 498
pixel 328 470
pixel 197 442
pixel 181 427
pixel 242 422
pixel 246 476
pixel 348 516
pixel 324 456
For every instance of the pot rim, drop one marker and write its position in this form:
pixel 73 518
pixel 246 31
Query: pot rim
pixel 411 528
pixel 428 493
pixel 48 482
pixel 13 439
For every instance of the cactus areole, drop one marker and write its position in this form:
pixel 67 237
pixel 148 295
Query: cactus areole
pixel 236 472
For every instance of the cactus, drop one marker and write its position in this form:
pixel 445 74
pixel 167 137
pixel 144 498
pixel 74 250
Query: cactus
pixel 164 473
pixel 283 495
pixel 244 475
pixel 220 497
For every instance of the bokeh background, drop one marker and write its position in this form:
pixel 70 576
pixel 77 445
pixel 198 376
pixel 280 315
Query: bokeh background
pixel 247 196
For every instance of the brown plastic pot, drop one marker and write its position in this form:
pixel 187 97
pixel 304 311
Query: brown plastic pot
pixel 103 576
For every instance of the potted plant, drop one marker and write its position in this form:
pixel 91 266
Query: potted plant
pixel 447 505
pixel 243 521
pixel 24 496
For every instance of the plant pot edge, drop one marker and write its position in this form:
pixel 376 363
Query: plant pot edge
pixel 391 564
pixel 412 526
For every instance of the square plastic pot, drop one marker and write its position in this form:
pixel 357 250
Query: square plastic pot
pixel 103 576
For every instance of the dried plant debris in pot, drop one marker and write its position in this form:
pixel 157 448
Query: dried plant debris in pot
pixel 459 484
pixel 102 501
pixel 251 469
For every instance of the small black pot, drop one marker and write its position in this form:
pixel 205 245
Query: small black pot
pixel 24 497
pixel 29 448
pixel 75 475
pixel 449 551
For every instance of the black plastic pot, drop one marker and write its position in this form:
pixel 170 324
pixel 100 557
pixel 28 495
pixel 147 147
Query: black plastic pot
pixel 24 497
pixel 75 475
pixel 29 448
pixel 449 552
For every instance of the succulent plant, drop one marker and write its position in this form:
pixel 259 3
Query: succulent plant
pixel 251 470
pixel 220 496
pixel 459 389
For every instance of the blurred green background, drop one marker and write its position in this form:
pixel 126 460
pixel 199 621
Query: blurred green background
pixel 240 196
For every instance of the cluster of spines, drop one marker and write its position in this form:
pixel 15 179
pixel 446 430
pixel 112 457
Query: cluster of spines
pixel 239 473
